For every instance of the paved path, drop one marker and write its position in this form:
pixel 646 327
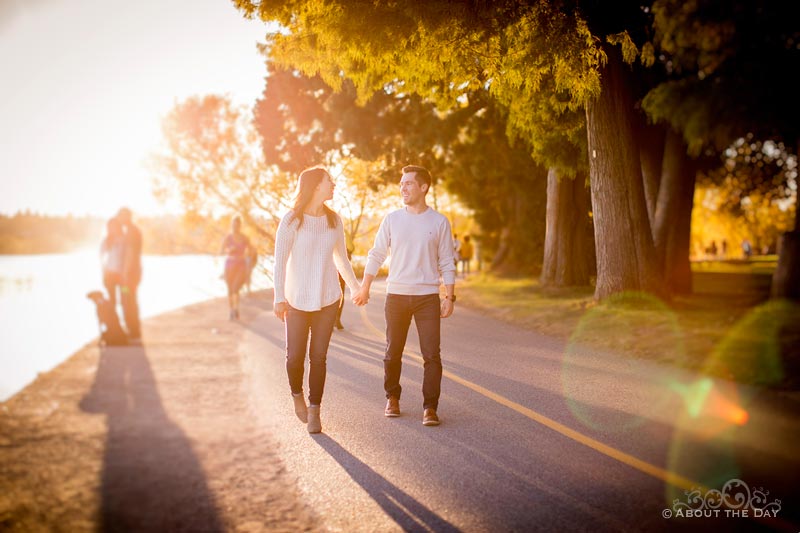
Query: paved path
pixel 194 431
pixel 533 436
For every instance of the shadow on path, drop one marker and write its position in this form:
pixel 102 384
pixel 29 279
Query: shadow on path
pixel 409 514
pixel 151 478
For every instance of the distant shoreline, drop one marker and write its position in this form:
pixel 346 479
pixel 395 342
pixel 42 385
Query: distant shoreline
pixel 36 234
pixel 84 250
pixel 149 318
pixel 47 316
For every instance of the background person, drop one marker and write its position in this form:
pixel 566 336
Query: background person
pixel 131 274
pixel 236 247
pixel 112 259
pixel 465 255
pixel 747 249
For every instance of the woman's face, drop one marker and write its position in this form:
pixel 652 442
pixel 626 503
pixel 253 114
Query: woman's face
pixel 326 188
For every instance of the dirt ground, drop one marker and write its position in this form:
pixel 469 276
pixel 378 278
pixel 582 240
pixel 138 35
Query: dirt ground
pixel 158 437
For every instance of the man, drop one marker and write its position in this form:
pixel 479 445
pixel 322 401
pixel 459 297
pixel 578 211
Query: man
pixel 422 251
pixel 131 274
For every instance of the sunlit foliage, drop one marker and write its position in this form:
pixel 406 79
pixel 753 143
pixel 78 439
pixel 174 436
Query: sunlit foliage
pixel 212 161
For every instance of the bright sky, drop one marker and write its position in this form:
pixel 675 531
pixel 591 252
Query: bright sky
pixel 86 82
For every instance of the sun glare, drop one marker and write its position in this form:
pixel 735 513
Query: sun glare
pixel 79 132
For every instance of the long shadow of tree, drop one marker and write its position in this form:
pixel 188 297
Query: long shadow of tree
pixel 409 514
pixel 151 478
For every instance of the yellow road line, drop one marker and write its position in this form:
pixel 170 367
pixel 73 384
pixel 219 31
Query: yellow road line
pixel 634 462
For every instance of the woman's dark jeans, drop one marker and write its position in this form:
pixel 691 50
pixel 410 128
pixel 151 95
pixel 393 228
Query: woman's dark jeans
pixel 425 309
pixel 298 324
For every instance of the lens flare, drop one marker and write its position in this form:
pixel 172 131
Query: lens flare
pixel 625 322
pixel 752 351
pixel 704 400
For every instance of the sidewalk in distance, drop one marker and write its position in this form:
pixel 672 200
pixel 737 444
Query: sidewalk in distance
pixel 159 437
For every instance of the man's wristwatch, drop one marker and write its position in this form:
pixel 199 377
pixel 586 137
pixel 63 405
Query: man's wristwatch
pixel 451 298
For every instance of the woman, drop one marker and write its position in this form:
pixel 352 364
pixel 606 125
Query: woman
pixel 112 256
pixel 235 246
pixel 309 250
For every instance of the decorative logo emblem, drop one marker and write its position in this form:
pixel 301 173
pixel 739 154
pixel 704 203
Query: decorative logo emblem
pixel 735 500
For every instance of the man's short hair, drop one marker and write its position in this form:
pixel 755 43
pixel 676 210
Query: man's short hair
pixel 421 174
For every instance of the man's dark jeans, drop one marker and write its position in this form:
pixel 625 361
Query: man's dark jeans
pixel 298 324
pixel 425 309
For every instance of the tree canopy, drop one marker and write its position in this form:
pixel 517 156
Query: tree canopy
pixel 572 79
pixel 731 71
pixel 466 149
pixel 535 59
pixel 213 162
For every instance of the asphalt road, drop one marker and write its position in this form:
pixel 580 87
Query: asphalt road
pixel 536 435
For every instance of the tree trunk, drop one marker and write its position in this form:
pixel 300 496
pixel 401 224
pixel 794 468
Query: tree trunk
pixel 625 254
pixel 500 255
pixel 504 260
pixel 568 245
pixel 786 279
pixel 677 267
pixel 521 239
pixel 651 156
pixel 671 233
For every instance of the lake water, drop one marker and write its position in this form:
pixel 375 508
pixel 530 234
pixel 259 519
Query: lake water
pixel 45 315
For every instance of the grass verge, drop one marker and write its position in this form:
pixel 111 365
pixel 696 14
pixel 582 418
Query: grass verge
pixel 736 336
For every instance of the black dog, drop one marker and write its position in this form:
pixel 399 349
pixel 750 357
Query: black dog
pixel 111 332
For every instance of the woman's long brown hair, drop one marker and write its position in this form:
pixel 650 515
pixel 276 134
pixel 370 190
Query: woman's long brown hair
pixel 309 179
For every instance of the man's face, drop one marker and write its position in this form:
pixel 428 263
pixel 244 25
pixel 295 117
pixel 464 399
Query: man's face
pixel 410 189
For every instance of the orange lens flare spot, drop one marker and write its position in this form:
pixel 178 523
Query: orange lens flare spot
pixel 739 416
pixel 721 406
pixel 702 399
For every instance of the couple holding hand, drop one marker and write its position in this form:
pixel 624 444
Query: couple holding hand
pixel 310 250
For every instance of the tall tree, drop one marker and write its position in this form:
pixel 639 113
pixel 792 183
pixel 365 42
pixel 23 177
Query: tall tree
pixel 442 50
pixel 733 78
pixel 467 150
pixel 673 214
pixel 212 162
pixel 304 122
pixel 626 257
pixel 569 254
pixel 499 181
pixel 575 52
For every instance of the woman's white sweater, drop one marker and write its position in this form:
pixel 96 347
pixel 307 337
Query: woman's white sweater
pixel 307 260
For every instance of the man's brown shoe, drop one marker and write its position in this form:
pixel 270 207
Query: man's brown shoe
pixel 392 407
pixel 429 418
